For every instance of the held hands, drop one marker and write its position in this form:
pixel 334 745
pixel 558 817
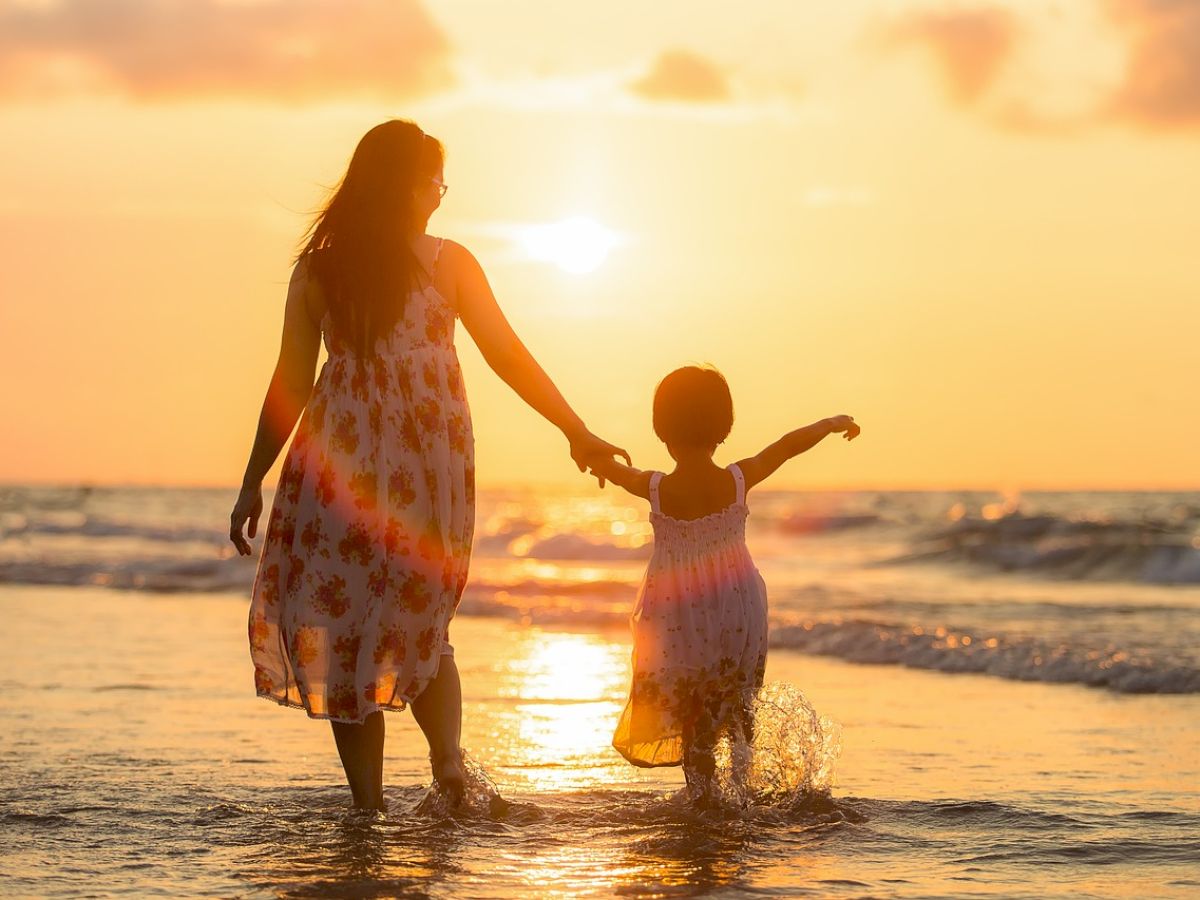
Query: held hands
pixel 845 424
pixel 249 506
pixel 587 450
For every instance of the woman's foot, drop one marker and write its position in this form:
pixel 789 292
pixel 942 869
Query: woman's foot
pixel 369 805
pixel 450 776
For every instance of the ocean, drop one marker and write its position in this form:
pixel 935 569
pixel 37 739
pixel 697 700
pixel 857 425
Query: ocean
pixel 1013 683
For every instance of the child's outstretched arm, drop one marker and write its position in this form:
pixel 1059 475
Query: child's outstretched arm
pixel 757 468
pixel 635 481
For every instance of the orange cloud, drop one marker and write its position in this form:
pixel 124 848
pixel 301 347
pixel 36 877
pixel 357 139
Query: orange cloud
pixel 287 50
pixel 969 46
pixel 683 75
pixel 1161 87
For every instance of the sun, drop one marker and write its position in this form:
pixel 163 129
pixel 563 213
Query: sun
pixel 577 244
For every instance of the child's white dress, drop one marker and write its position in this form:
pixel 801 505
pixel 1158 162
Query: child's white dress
pixel 700 631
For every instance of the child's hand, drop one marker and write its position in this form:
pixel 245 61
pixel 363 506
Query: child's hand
pixel 844 424
pixel 595 470
pixel 589 451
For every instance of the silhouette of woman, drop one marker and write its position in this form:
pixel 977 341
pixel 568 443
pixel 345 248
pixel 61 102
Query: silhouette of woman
pixel 369 537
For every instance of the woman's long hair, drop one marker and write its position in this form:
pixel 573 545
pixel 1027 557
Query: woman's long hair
pixel 358 245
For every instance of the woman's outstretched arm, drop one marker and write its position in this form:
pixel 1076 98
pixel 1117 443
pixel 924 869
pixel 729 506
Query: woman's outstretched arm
pixel 286 397
pixel 509 358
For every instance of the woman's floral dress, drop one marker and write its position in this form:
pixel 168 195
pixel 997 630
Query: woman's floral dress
pixel 699 633
pixel 369 536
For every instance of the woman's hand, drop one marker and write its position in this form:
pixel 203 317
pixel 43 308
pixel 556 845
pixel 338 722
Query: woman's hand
pixel 249 506
pixel 586 449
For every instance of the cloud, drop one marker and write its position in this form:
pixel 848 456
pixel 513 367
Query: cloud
pixel 680 75
pixel 1156 88
pixel 599 91
pixel 1161 86
pixel 288 50
pixel 969 46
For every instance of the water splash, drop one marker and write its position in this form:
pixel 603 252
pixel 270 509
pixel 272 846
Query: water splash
pixel 788 762
pixel 481 797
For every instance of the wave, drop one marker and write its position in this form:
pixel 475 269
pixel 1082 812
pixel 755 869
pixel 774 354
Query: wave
pixel 178 572
pixel 81 525
pixel 800 524
pixel 578 547
pixel 549 610
pixel 813 599
pixel 495 541
pixel 1011 657
pixel 1149 551
pixel 165 576
pixel 528 587
pixel 606 604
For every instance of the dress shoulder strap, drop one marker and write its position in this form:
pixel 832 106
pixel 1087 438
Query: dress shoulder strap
pixel 437 254
pixel 655 478
pixel 739 482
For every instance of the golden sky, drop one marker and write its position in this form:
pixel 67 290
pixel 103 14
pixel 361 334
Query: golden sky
pixel 973 226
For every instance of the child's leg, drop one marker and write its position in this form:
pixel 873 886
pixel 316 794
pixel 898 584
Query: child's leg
pixel 741 739
pixel 746 720
pixel 699 761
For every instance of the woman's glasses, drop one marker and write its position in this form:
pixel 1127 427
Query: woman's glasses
pixel 441 188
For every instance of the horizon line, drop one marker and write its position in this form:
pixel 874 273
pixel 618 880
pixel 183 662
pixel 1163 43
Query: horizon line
pixel 565 485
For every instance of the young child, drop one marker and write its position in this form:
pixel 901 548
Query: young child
pixel 700 622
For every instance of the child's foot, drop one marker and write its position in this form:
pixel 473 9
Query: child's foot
pixel 703 797
pixel 701 788
pixel 450 776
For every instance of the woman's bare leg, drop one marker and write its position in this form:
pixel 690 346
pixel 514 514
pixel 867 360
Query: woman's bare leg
pixel 439 713
pixel 361 750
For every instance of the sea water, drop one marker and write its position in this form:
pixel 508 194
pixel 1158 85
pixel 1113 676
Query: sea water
pixel 1013 682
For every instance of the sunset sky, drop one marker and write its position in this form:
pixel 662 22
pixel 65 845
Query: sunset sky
pixel 973 226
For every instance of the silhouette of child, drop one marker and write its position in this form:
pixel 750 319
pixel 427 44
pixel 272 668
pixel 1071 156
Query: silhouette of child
pixel 700 621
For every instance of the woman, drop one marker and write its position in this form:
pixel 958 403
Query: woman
pixel 369 537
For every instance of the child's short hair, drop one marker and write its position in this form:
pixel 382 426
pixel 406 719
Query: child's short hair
pixel 693 408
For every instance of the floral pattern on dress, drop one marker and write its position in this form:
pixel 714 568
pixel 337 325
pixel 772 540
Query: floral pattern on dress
pixel 700 634
pixel 368 540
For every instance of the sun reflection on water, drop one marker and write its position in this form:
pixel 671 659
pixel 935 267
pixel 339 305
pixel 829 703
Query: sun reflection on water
pixel 570 667
pixel 569 689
